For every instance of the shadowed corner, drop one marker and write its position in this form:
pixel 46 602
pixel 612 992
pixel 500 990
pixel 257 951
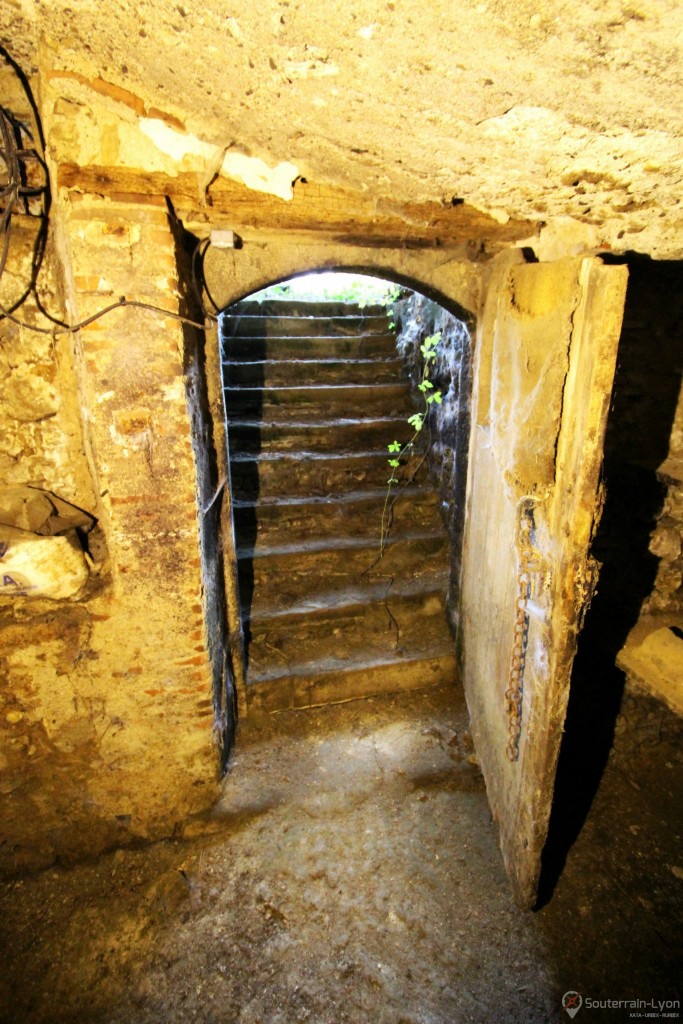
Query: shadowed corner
pixel 645 395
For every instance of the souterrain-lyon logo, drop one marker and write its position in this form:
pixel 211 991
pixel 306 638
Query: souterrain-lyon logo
pixel 571 1002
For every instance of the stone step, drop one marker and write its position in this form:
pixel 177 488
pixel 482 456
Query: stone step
pixel 292 475
pixel 278 347
pixel 355 515
pixel 301 307
pixel 302 326
pixel 359 590
pixel 343 436
pixel 330 684
pixel 378 401
pixel 396 626
pixel 314 395
pixel 296 575
pixel 278 372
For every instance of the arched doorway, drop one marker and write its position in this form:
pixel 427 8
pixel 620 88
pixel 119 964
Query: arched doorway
pixel 342 392
pixel 547 338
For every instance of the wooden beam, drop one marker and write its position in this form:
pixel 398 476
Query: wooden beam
pixel 342 215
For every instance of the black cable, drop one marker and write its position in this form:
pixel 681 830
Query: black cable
pixel 5 229
pixel 209 296
pixel 16 189
pixel 196 286
pixel 123 301
pixel 11 191
pixel 199 284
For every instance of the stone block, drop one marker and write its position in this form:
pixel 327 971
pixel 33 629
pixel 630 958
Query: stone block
pixel 33 566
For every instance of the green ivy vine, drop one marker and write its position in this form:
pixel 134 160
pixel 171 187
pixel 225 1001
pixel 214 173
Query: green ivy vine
pixel 417 421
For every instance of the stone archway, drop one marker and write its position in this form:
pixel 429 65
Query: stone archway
pixel 447 277
pixel 327 474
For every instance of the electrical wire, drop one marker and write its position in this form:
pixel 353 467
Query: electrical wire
pixel 122 302
pixel 15 153
pixel 199 285
pixel 205 286
pixel 16 190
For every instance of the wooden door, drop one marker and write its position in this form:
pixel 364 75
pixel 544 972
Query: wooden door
pixel 544 367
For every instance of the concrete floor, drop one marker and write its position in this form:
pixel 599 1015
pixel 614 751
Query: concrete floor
pixel 351 874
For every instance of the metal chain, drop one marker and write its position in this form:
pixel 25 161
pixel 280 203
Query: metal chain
pixel 515 688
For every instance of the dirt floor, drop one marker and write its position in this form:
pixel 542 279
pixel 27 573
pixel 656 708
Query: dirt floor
pixel 351 873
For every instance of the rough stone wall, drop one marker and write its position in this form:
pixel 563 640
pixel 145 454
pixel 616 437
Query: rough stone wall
pixel 107 703
pixel 42 441
pixel 543 111
pixel 667 538
pixel 107 697
pixel 666 542
pixel 233 275
pixel 418 317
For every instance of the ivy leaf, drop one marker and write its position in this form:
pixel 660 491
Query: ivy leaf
pixel 436 397
pixel 394 463
pixel 392 480
pixel 394 446
pixel 416 421
pixel 430 343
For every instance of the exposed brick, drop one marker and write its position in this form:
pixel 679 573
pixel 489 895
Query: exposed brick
pixel 196 660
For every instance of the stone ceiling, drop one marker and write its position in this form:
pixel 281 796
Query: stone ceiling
pixel 524 110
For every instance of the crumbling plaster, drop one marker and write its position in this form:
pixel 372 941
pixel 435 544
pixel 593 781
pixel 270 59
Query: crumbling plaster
pixel 539 113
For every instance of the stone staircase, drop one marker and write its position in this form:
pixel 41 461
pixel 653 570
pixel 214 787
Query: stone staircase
pixel 314 393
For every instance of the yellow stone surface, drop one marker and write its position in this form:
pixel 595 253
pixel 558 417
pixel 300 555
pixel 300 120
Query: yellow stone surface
pixel 652 658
